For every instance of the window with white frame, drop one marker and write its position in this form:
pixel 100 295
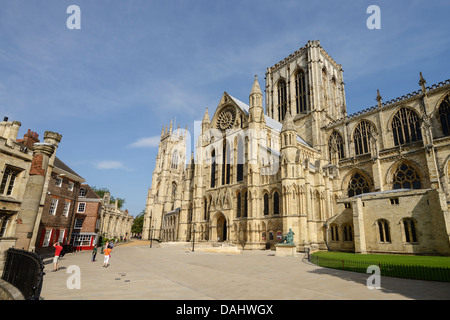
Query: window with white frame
pixel 4 219
pixel 9 179
pixel 78 223
pixel 58 181
pixel 48 234
pixel 82 240
pixel 66 208
pixel 71 185
pixel 81 207
pixel 82 193
pixel 62 233
pixel 53 206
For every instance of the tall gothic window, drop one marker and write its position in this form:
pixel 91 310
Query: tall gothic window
pixel 444 115
pixel 240 160
pixel 335 146
pixel 410 230
pixel 406 178
pixel 226 163
pixel 383 229
pixel 282 99
pixel 205 209
pixel 174 164
pixel 276 203
pixel 406 127
pixel 245 203
pixel 213 169
pixel 300 90
pixel 238 211
pixel 361 136
pixel 266 204
pixel 357 185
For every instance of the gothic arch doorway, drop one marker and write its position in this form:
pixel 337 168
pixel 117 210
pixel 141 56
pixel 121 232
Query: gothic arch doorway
pixel 221 228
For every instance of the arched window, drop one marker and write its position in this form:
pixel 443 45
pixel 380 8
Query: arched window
pixel 348 234
pixel 213 169
pixel 238 205
pixel 276 203
pixel 266 204
pixel 361 136
pixel 410 230
pixel 174 190
pixel 335 146
pixel 334 232
pixel 383 228
pixel 174 164
pixel 300 90
pixel 406 178
pixel 406 127
pixel 226 163
pixel 282 100
pixel 358 185
pixel 245 204
pixel 444 115
pixel 240 160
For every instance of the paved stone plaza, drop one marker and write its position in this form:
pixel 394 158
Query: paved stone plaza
pixel 174 272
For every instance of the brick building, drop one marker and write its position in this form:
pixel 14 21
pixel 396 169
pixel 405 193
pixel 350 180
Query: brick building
pixel 58 215
pixel 87 219
pixel 25 169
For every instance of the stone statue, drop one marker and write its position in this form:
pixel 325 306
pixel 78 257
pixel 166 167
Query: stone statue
pixel 288 237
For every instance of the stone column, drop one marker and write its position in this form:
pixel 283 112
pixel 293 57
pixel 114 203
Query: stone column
pixel 29 209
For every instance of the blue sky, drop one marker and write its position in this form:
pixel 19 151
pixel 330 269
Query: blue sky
pixel 136 64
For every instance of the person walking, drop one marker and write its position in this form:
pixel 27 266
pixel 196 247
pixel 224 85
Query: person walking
pixel 94 253
pixel 58 250
pixel 107 253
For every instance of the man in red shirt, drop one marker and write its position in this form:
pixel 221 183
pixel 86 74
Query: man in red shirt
pixel 58 250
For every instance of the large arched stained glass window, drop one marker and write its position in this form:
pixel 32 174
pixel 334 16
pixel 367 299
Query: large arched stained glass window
pixel 405 177
pixel 300 90
pixel 406 127
pixel 335 146
pixel 361 136
pixel 358 185
pixel 444 115
pixel 282 100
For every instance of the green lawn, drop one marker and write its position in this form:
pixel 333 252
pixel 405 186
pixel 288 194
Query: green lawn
pixel 432 261
pixel 402 266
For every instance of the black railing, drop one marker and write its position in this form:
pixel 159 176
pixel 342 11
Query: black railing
pixel 417 272
pixel 25 271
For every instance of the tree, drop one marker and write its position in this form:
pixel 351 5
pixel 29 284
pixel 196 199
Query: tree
pixel 138 223
pixel 101 192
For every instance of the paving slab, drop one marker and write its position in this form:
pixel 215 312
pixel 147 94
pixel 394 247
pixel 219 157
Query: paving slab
pixel 174 272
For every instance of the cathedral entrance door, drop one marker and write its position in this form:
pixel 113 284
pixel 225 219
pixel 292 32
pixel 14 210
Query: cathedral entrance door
pixel 221 228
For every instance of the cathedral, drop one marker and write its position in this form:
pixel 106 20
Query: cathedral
pixel 376 181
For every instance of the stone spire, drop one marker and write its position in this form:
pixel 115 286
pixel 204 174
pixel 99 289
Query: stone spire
pixel 288 123
pixel 422 83
pixel 256 95
pixel 379 98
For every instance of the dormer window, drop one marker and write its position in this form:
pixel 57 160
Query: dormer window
pixel 82 193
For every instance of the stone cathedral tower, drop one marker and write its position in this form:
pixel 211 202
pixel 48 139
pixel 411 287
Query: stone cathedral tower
pixel 373 181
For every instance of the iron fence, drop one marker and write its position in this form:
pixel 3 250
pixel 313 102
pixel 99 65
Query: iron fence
pixel 418 272
pixel 25 271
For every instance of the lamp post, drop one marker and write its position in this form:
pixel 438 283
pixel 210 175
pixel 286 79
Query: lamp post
pixel 193 237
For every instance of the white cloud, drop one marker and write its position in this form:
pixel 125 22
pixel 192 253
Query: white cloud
pixel 149 142
pixel 109 165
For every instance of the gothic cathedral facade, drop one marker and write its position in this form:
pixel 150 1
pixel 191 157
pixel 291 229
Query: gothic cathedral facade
pixel 376 181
